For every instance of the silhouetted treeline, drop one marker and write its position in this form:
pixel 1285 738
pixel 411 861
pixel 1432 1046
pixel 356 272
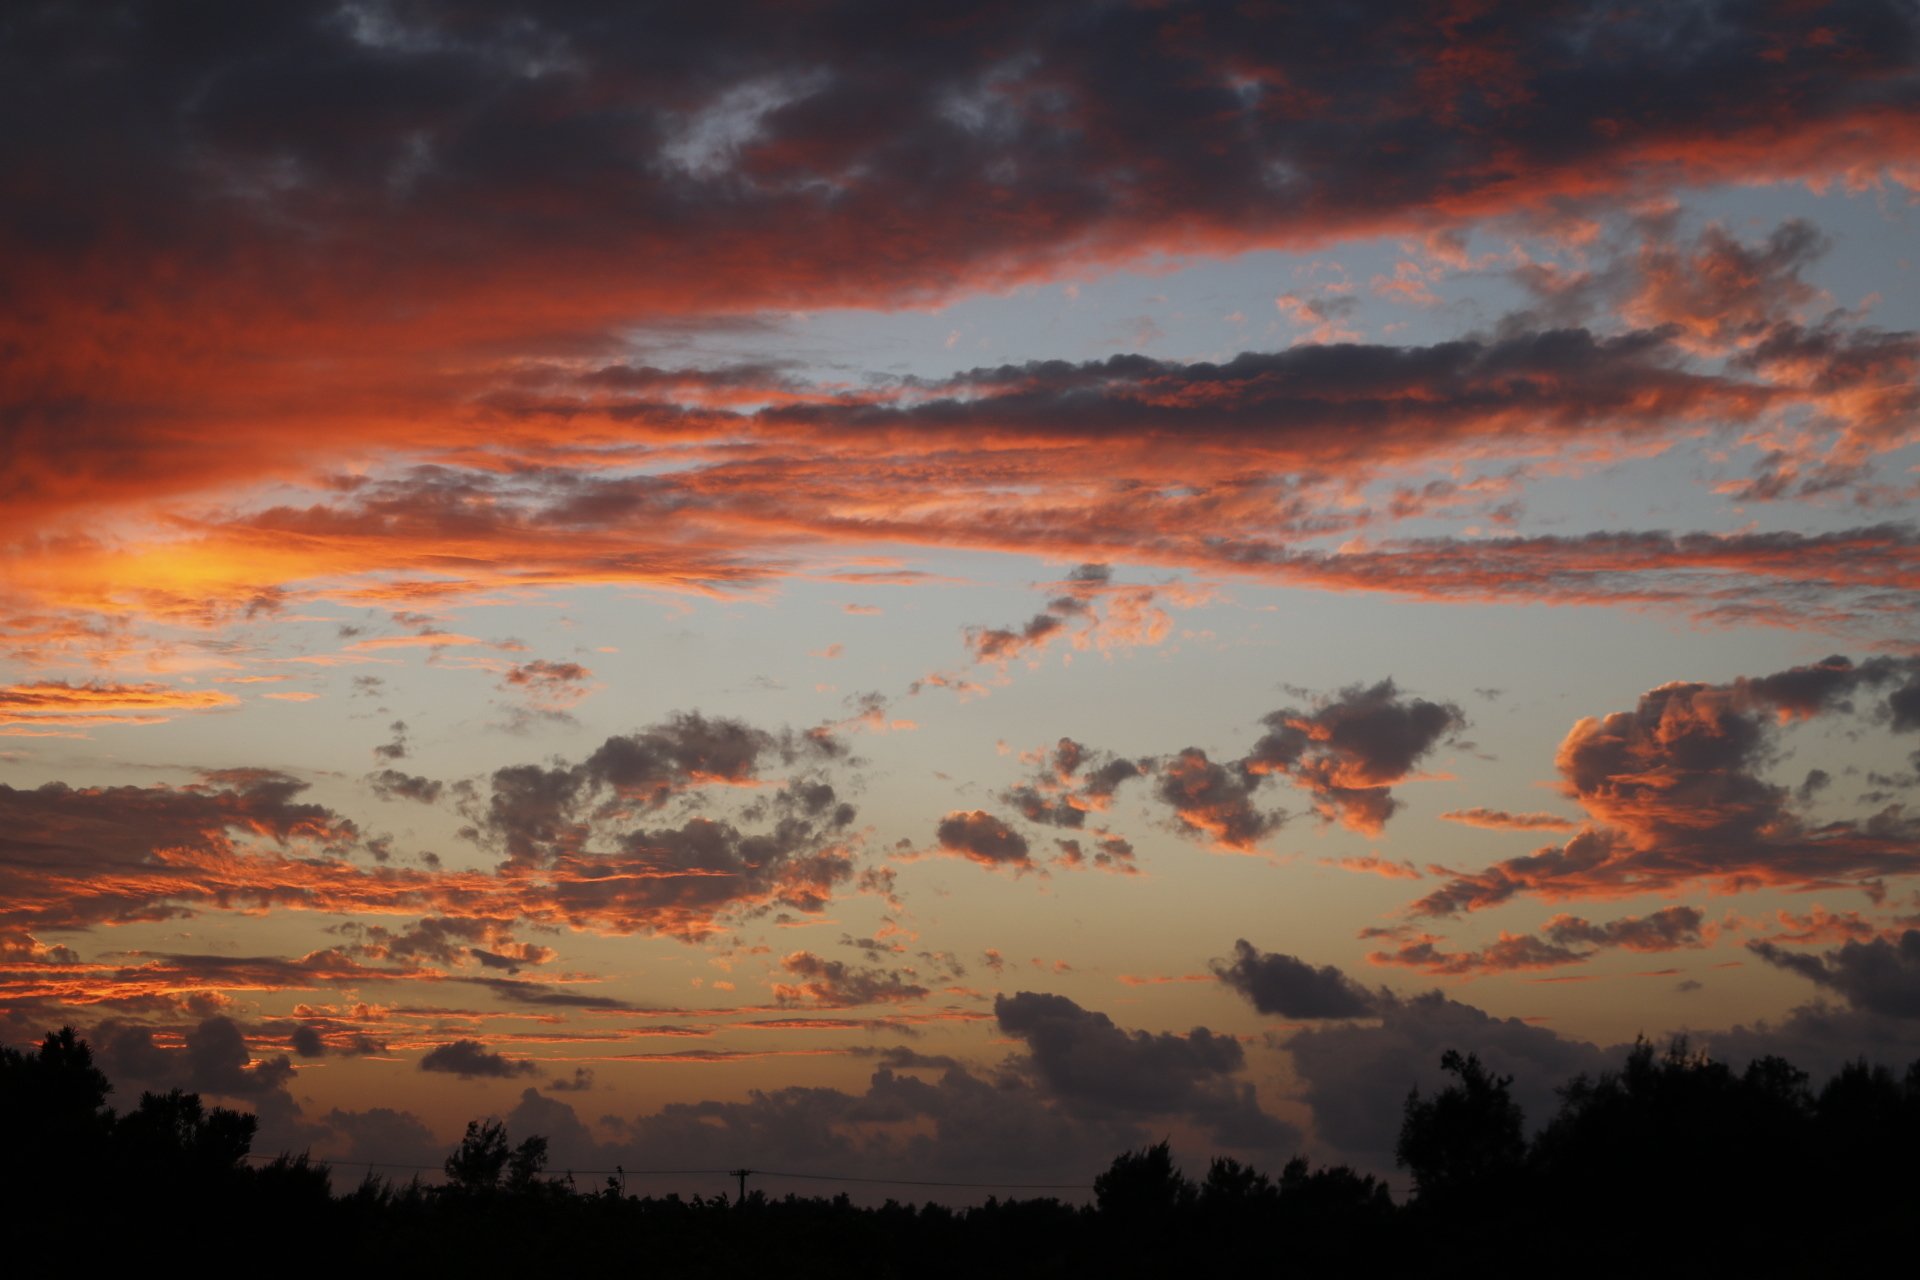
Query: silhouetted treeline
pixel 1672 1163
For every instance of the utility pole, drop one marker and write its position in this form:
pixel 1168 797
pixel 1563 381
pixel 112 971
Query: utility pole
pixel 742 1175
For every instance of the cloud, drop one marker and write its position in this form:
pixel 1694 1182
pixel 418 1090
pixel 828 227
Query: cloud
pixel 981 837
pixel 1106 852
pixel 534 810
pixel 1088 1063
pixel 471 1060
pixel 1355 1075
pixel 1215 800
pixel 1352 747
pixel 835 984
pixel 1288 987
pixel 1720 291
pixel 548 685
pixel 1563 940
pixel 1501 820
pixel 1214 113
pixel 74 858
pixel 1071 782
pixel 379 1135
pixel 214 1059
pixel 517 465
pixel 56 703
pixel 392 784
pixel 1092 612
pixel 1346 753
pixel 1879 976
pixel 1674 797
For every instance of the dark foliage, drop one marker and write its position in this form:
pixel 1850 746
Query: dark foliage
pixel 1674 1162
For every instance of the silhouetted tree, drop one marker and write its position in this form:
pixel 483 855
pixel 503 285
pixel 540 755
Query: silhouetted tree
pixel 172 1137
pixel 477 1163
pixel 1645 1161
pixel 1144 1186
pixel 1232 1187
pixel 1469 1136
pixel 483 1156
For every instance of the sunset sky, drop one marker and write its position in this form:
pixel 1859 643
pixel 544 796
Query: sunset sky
pixel 938 591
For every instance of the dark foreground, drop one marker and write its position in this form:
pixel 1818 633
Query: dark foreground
pixel 1674 1163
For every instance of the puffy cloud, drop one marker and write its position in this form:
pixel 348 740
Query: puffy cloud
pixel 1356 1075
pixel 1879 976
pixel 957 1126
pixel 1352 747
pixel 378 1136
pixel 533 809
pixel 1346 753
pixel 1088 1063
pixel 1289 987
pixel 1719 290
pixel 74 858
pixel 1674 797
pixel 392 784
pixel 1106 852
pixel 1072 781
pixel 214 1058
pixel 983 838
pixel 1215 800
pixel 471 1060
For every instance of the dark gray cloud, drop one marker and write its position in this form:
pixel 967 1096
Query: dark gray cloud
pixel 579 1082
pixel 1663 930
pixel 1346 753
pixel 1214 800
pixel 1356 1075
pixel 1350 748
pixel 1289 987
pixel 65 851
pixel 1879 976
pixel 392 784
pixel 1082 1058
pixel 533 810
pixel 1073 781
pixel 836 984
pixel 471 1060
pixel 215 1060
pixel 410 120
pixel 983 838
pixel 380 1135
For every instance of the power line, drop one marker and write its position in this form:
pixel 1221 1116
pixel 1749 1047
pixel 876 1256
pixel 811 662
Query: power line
pixel 441 1168
pixel 733 1173
pixel 927 1182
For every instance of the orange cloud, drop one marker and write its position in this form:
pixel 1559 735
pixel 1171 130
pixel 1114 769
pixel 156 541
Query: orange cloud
pixel 58 703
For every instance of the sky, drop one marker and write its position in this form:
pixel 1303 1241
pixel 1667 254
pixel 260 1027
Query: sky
pixel 942 591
